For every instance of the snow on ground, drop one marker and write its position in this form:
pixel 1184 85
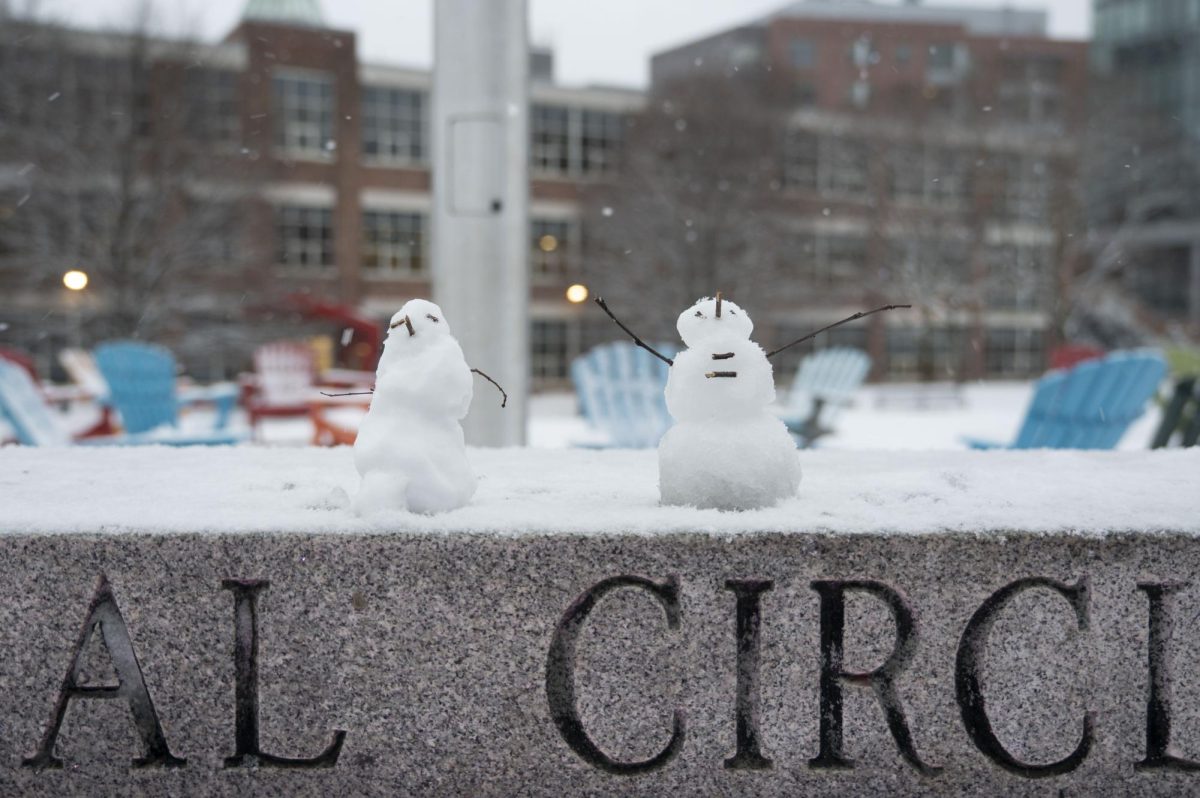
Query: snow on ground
pixel 883 417
pixel 266 489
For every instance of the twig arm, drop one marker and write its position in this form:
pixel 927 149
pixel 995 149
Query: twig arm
pixel 351 393
pixel 604 306
pixel 848 319
pixel 503 394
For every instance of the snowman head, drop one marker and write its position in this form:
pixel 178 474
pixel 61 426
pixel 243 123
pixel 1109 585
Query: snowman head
pixel 414 328
pixel 710 317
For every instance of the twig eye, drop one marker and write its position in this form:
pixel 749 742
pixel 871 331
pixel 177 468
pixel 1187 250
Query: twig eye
pixel 699 315
pixel 431 317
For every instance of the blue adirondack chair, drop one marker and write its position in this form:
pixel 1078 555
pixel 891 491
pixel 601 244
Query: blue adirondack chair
pixel 141 382
pixel 1089 406
pixel 621 393
pixel 824 384
pixel 25 411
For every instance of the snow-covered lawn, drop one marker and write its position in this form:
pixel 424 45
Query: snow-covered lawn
pixel 882 417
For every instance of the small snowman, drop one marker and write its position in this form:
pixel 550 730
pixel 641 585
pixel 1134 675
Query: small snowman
pixel 726 450
pixel 410 450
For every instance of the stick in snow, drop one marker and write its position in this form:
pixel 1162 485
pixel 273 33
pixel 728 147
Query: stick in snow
pixel 712 374
pixel 503 394
pixel 859 315
pixel 630 333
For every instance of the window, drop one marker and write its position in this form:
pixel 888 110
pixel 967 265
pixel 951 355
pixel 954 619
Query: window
pixel 601 142
pixel 800 160
pixel 933 353
pixel 803 53
pixel 1159 277
pixel 903 54
pixel 830 164
pixel 1017 279
pixel 213 114
pixel 575 141
pixel 845 259
pixel 553 247
pixel 550 149
pixel 393 242
pixel 304 111
pixel 941 57
pixel 931 175
pixel 393 124
pixel 1015 352
pixel 113 95
pixel 844 165
pixel 549 349
pixel 1026 194
pixel 305 237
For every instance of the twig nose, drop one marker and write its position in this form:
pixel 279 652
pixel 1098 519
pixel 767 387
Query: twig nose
pixel 718 304
pixel 407 322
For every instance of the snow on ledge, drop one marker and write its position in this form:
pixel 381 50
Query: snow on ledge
pixel 529 491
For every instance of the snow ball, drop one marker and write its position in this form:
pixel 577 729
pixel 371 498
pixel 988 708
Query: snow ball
pixel 745 464
pixel 701 321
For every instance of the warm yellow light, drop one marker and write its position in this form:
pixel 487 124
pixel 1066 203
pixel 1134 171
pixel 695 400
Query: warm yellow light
pixel 75 280
pixel 548 243
pixel 577 293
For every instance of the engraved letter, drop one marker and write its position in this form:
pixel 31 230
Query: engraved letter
pixel 1159 755
pixel 748 755
pixel 104 614
pixel 560 674
pixel 882 680
pixel 972 650
pixel 245 659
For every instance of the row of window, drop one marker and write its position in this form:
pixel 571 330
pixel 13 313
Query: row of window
pixel 396 242
pixel 564 140
pixel 863 54
pixel 839 167
pixel 942 352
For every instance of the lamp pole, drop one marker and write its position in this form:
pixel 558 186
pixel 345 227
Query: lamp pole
pixel 480 218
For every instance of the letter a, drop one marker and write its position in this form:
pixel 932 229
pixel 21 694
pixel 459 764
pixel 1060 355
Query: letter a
pixel 104 615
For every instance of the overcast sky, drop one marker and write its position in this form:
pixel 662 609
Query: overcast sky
pixel 595 41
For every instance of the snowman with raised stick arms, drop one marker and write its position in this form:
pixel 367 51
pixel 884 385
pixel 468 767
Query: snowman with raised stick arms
pixel 726 451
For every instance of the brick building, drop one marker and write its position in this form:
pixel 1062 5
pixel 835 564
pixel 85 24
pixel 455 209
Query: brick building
pixel 931 156
pixel 338 152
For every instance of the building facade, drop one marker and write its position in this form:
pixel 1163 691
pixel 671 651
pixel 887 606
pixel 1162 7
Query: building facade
pixel 337 153
pixel 931 157
pixel 1148 51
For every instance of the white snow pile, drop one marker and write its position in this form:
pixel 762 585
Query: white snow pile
pixel 726 450
pixel 410 450
pixel 151 490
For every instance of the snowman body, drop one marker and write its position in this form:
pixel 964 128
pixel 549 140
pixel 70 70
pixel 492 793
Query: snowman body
pixel 726 450
pixel 410 450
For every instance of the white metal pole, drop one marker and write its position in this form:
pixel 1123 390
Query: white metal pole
pixel 480 247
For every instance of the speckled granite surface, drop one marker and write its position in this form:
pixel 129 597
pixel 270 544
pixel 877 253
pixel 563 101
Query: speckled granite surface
pixel 431 653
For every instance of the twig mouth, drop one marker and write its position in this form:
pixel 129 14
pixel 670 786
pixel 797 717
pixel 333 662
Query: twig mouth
pixel 712 374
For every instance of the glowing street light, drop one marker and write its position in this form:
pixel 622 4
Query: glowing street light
pixel 577 293
pixel 75 280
